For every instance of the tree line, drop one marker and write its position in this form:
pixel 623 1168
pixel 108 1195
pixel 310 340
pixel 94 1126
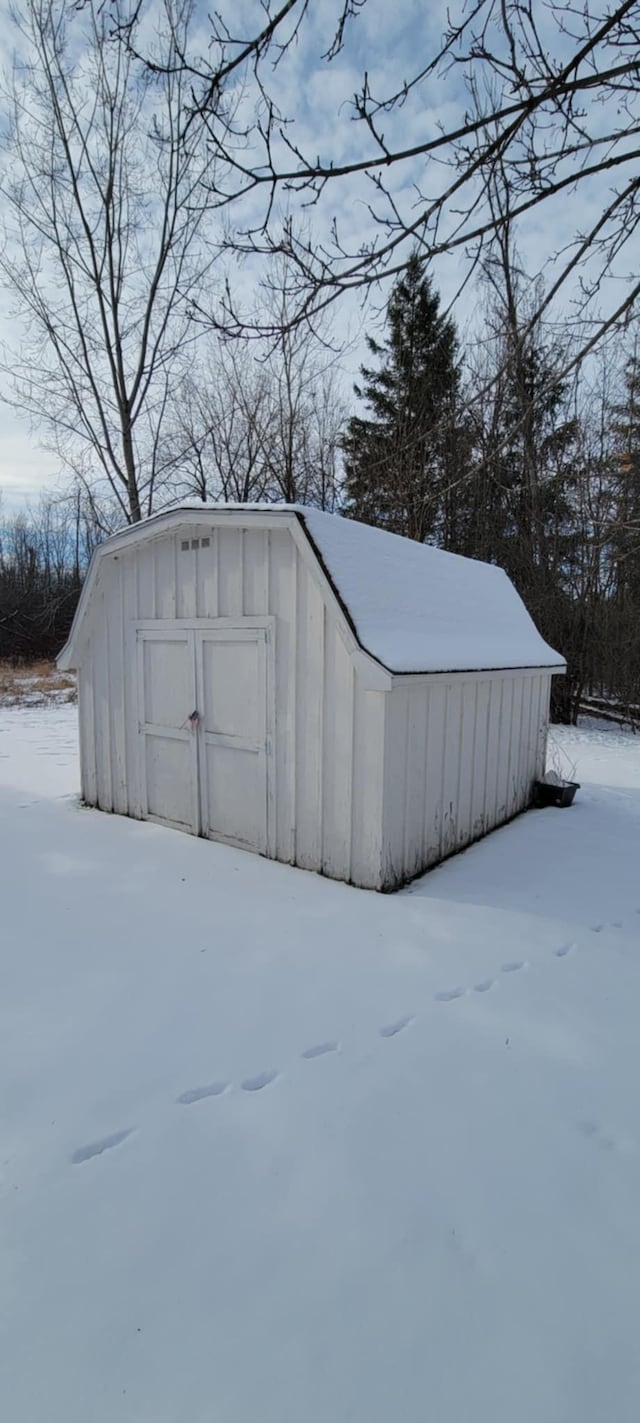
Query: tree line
pixel 485 447
pixel 138 166
pixel 502 452
pixel 44 554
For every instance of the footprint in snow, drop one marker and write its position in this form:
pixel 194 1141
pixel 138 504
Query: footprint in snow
pixel 96 1148
pixel 256 1084
pixel 597 928
pixel 389 1030
pixel 320 1049
pixel 484 986
pixel 513 966
pixel 197 1094
pixel 563 949
pixel 448 994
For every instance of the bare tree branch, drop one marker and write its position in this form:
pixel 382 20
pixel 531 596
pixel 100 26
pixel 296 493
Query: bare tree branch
pixel 548 95
pixel 107 235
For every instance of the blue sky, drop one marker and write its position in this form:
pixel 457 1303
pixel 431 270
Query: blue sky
pixel 390 41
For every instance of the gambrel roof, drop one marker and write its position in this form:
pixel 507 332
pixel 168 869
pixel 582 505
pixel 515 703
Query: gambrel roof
pixel 412 607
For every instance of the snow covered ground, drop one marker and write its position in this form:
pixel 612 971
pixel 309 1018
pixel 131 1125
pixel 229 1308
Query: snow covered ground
pixel 274 1150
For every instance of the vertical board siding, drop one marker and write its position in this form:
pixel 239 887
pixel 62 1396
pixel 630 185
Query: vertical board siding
pixel 451 776
pixel 367 786
pixel 537 736
pixel 164 558
pixel 143 556
pixel 524 745
pixel 230 561
pixel 525 760
pixel 330 717
pixel 464 832
pixel 460 758
pixel 530 739
pixel 434 773
pixel 515 747
pixel 207 577
pixel 416 781
pixel 187 560
pixel 309 685
pixel 543 682
pixel 281 587
pixel 519 764
pixel 479 818
pixel 130 710
pixel 395 784
pixel 337 764
pixel 504 750
pixel 86 727
pixel 543 723
pixel 206 574
pixel 101 704
pixel 255 571
pixel 114 635
pixel 494 727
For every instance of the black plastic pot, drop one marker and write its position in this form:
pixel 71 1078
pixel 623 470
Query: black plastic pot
pixel 547 793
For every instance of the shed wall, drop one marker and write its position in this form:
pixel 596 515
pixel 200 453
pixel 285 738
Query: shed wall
pixel 327 752
pixel 369 786
pixel 460 759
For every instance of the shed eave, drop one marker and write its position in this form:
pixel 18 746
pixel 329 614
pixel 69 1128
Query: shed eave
pixel 554 668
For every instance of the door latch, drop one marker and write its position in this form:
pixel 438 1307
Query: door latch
pixel 194 720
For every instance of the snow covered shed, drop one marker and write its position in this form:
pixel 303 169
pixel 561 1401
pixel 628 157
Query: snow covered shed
pixel 307 687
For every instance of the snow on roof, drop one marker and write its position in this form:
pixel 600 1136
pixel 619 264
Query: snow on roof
pixel 413 607
pixel 418 609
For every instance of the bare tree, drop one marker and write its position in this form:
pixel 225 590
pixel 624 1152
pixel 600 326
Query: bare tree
pixel 44 553
pixel 106 237
pixel 217 437
pixel 548 93
pixel 262 421
pixel 300 439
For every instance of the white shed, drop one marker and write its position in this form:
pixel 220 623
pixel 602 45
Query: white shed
pixel 307 687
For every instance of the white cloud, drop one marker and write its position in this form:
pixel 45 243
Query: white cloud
pixel 390 41
pixel 25 469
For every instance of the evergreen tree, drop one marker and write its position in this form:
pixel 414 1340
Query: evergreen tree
pixel 399 457
pixel 621 645
pixel 528 458
pixel 626 441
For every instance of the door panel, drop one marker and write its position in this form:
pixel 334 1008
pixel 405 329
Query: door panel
pixel 235 796
pixel 232 691
pixel 168 673
pixel 167 697
pixel 169 780
pixel 208 776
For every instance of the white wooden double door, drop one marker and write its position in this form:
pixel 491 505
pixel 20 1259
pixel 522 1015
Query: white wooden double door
pixel 204 724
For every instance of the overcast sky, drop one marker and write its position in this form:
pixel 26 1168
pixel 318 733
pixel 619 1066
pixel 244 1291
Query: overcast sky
pixel 389 41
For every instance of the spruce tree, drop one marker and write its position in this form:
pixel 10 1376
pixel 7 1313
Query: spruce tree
pixel 622 641
pixel 626 442
pixel 398 458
